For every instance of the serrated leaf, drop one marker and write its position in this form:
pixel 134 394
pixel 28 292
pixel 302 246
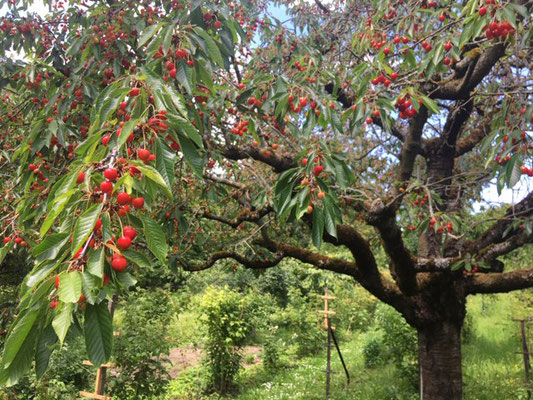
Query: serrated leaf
pixel 85 226
pixel 318 227
pixel 154 175
pixel 212 48
pixel 5 249
pixel 62 320
pixel 69 290
pixel 430 104
pixel 138 258
pixel 50 246
pixel 43 350
pixel 183 79
pixel 165 161
pixel 147 34
pixel 329 216
pixel 192 156
pixel 155 239
pixel 98 329
pixel 22 326
pixel 185 127
pixel 95 263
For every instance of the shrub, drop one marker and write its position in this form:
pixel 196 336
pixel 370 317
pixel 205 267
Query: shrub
pixel 227 316
pixel 373 352
pixel 399 341
pixel 141 349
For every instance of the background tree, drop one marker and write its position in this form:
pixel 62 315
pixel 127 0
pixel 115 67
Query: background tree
pixel 217 128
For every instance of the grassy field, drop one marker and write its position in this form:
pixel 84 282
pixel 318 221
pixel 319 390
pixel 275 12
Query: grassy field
pixel 492 367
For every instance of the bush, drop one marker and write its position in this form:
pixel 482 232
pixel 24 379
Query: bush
pixel 141 349
pixel 399 341
pixel 227 316
pixel 373 353
pixel 301 318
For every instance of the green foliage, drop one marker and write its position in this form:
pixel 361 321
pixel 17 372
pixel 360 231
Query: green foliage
pixel 373 353
pixel 228 318
pixel 142 347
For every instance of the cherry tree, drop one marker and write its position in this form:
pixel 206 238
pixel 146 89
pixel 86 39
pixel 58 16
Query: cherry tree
pixel 354 136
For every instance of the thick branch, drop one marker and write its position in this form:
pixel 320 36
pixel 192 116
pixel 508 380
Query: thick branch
pixel 280 162
pixel 225 254
pixel 501 282
pixel 460 87
pixel 495 233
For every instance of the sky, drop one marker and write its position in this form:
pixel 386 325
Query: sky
pixel 510 196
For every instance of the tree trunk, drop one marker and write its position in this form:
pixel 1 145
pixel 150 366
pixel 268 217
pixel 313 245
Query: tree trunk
pixel 439 352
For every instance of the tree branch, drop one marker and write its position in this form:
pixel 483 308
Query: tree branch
pixel 500 282
pixel 225 254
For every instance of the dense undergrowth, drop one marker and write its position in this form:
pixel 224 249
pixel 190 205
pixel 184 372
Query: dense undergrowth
pixel 222 313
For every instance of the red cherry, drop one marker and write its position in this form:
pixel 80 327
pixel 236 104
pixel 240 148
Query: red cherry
pixel 105 140
pixel 446 61
pixel 106 187
pixel 124 242
pixel 81 178
pixel 318 169
pixel 137 202
pixel 57 281
pixel 135 92
pixel 303 101
pixel 172 73
pixel 98 225
pixel 394 76
pixel 386 51
pixel 217 24
pixel 53 304
pixel 448 46
pixel 7 240
pixel 111 174
pixel 119 264
pixel 123 198
pixel 129 232
pixel 483 11
pixel 143 154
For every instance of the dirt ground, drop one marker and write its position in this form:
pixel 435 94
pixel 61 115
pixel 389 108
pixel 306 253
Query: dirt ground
pixel 187 357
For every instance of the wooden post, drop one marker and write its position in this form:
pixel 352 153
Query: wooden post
pixel 327 325
pixel 525 350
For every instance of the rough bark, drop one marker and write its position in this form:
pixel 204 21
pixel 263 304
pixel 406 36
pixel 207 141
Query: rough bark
pixel 439 351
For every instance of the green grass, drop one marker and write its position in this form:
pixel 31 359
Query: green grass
pixel 492 367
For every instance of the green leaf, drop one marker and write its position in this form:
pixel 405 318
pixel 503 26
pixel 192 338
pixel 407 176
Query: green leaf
pixel 181 75
pixel 513 172
pixel 154 175
pixel 85 226
pixel 23 356
pixel 3 252
pixel 430 104
pixel 192 156
pixel 44 350
pixel 95 263
pixel 69 290
pixel 165 161
pixel 22 326
pixel 147 34
pixel 318 227
pixel 184 126
pixel 126 130
pixel 62 320
pixel 329 216
pixel 138 258
pixel 212 48
pixel 98 329
pixel 155 239
pixel 50 246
